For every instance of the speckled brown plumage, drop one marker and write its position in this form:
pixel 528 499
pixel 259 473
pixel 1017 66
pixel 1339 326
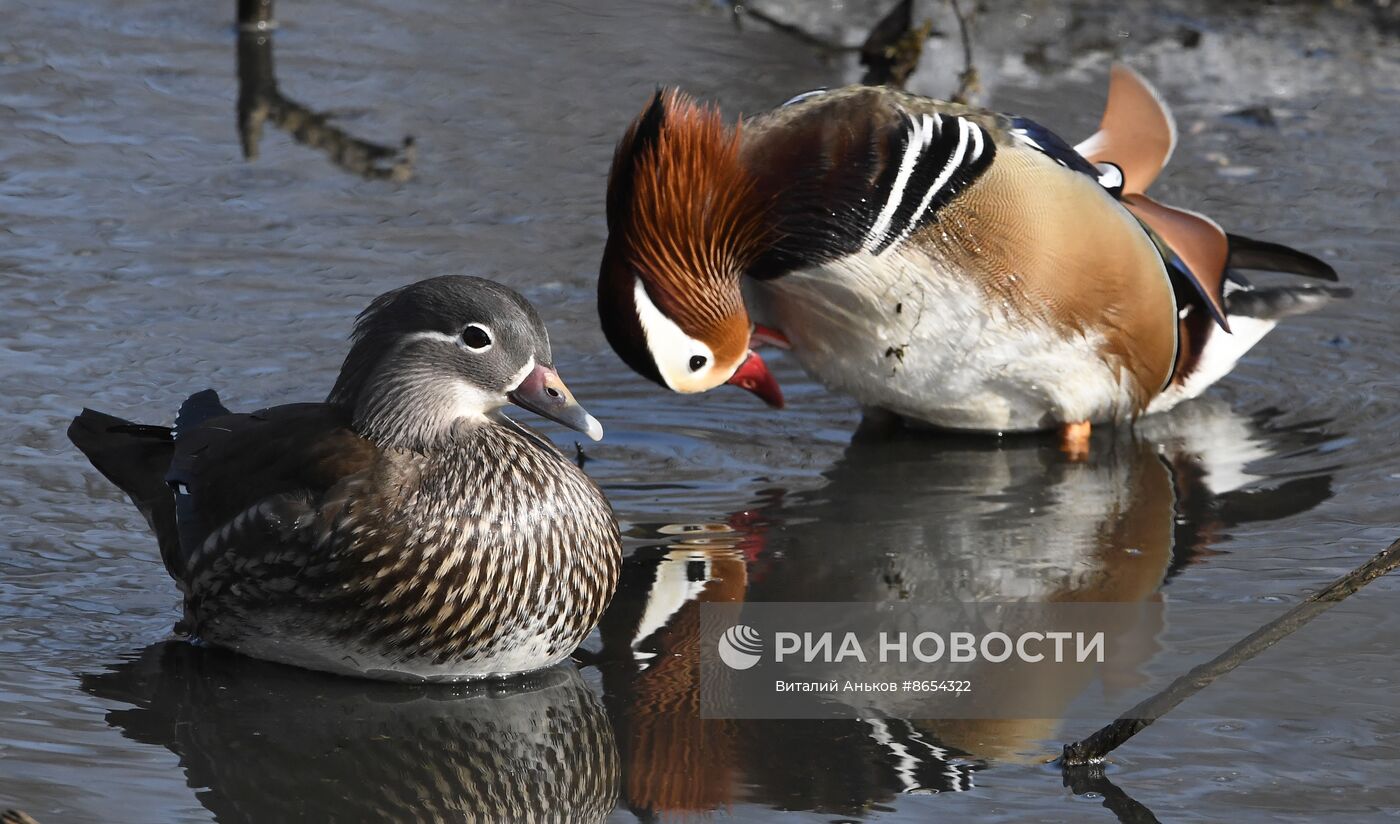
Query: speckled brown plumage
pixel 446 557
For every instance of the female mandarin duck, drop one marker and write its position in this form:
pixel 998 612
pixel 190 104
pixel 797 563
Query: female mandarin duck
pixel 405 529
pixel 958 267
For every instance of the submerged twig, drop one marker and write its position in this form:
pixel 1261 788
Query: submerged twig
pixel 1092 749
pixel 1125 808
pixel 255 14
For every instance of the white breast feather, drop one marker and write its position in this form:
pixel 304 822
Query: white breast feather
pixel 898 332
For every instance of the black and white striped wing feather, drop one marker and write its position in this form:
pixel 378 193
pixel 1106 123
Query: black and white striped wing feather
pixel 859 170
pixel 939 156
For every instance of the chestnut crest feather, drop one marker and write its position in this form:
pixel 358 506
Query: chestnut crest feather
pixel 684 223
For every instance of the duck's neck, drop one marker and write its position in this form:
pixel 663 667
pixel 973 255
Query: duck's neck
pixel 415 409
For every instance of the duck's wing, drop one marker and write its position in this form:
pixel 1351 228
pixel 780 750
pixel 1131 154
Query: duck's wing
pixel 258 477
pixel 865 169
pixel 1135 140
pixel 1137 132
pixel 1248 253
pixel 858 169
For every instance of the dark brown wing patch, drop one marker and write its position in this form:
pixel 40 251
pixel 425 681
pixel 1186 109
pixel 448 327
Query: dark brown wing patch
pixel 230 463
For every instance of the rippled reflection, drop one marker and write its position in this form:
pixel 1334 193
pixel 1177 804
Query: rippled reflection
pixel 908 518
pixel 900 518
pixel 675 761
pixel 260 101
pixel 265 742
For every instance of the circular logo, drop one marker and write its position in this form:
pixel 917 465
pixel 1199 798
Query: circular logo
pixel 740 647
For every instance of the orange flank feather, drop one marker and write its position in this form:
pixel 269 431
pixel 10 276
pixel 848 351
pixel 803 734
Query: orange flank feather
pixel 693 220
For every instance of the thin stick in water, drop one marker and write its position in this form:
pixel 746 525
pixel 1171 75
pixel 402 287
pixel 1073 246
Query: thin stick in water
pixel 1093 749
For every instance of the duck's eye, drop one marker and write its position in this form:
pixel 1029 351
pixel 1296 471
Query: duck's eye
pixel 476 337
pixel 697 362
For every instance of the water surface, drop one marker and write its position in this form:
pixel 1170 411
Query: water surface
pixel 142 258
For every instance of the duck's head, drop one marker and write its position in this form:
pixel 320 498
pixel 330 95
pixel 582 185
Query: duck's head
pixel 450 349
pixel 684 221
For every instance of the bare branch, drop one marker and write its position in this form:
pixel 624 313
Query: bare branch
pixel 969 82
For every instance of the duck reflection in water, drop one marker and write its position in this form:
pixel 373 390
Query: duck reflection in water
pixel 899 519
pixel 261 101
pixel 922 519
pixel 266 742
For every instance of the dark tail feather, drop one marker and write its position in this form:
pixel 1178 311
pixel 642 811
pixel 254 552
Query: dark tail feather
pixel 1247 253
pixel 198 408
pixel 135 457
pixel 1277 302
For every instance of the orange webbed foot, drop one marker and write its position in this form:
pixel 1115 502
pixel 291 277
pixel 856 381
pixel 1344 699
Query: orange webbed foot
pixel 1074 440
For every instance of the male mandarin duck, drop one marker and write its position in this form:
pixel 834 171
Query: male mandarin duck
pixel 954 266
pixel 405 529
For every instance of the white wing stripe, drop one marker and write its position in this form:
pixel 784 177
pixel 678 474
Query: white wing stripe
pixel 976 142
pixel 913 148
pixel 954 161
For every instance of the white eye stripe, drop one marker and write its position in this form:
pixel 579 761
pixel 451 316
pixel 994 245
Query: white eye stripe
pixel 671 348
pixel 455 340
pixel 439 336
